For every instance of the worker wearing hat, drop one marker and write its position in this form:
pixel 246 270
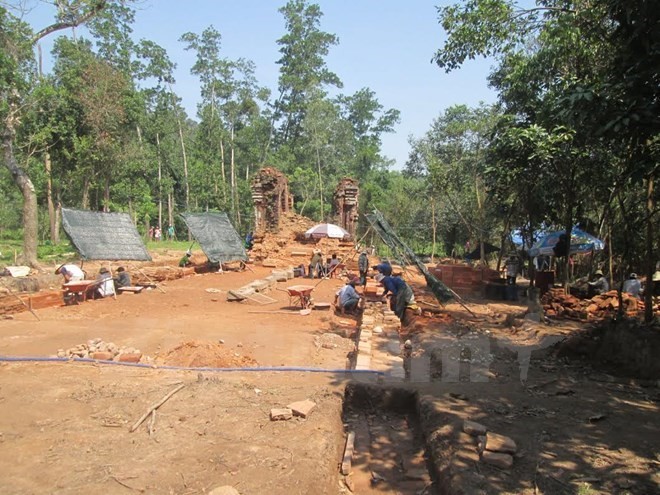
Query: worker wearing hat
pixel 363 266
pixel 600 284
pixel 105 285
pixel 632 286
pixel 347 297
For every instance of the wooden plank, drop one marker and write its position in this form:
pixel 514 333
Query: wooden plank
pixel 135 290
pixel 348 454
pixel 260 298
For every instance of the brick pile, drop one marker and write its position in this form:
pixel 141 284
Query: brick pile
pixel 289 246
pixel 105 351
pixel 558 304
pixel 493 448
pixel 465 280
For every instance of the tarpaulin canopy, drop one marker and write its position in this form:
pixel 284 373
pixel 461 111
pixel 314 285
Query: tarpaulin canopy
pixel 326 230
pixel 581 242
pixel 216 236
pixel 104 236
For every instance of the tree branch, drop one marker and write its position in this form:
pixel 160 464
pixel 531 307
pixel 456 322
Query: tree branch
pixel 77 21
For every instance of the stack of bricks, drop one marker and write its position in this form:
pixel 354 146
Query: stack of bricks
pixel 463 279
pixel 379 347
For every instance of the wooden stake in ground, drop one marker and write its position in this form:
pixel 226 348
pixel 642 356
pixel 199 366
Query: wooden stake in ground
pixel 152 281
pixel 152 422
pixel 154 407
pixel 22 302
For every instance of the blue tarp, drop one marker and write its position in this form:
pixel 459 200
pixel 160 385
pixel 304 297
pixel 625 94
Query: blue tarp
pixel 581 242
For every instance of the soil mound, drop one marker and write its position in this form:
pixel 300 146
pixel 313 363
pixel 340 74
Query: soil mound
pixel 193 354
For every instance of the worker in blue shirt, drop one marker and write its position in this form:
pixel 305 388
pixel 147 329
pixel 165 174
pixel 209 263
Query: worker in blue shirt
pixel 385 268
pixel 402 295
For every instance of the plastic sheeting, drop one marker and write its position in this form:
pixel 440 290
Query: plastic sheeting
pixel 104 236
pixel 216 236
pixel 403 253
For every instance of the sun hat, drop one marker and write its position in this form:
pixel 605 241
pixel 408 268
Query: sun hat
pixel 598 272
pixel 633 275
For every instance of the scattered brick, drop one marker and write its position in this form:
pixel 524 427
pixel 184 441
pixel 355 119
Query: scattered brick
pixel 500 443
pixel 473 428
pixel 502 461
pixel 280 414
pixel 302 408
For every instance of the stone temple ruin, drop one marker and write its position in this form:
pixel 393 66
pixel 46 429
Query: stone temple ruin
pixel 271 197
pixel 346 204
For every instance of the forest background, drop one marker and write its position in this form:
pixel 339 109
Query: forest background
pixel 571 140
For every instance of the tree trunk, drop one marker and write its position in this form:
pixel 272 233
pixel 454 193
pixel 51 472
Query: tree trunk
pixel 650 255
pixel 434 229
pixel 170 208
pixel 568 228
pixel 232 176
pixel 482 250
pixel 610 256
pixel 318 162
pixel 223 172
pixel 52 220
pixel 106 194
pixel 160 182
pixel 84 202
pixel 23 182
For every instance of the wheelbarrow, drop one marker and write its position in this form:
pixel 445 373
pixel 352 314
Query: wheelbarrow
pixel 300 295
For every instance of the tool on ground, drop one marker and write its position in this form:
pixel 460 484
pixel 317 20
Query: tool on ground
pixel 303 312
pixel 299 295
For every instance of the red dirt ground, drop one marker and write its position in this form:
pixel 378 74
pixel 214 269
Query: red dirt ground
pixel 64 427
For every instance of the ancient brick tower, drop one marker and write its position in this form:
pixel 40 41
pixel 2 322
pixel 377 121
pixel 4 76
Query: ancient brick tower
pixel 270 194
pixel 346 204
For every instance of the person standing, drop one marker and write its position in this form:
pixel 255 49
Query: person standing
pixel 157 234
pixel 170 233
pixel 316 264
pixel 511 270
pixel 249 241
pixel 332 266
pixel 363 266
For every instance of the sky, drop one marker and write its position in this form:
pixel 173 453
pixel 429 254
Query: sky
pixel 384 45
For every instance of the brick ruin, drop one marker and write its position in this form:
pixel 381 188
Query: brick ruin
pixel 346 204
pixel 271 197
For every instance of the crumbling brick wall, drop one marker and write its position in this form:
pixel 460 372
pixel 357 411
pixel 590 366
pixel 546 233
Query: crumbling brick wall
pixel 271 197
pixel 346 199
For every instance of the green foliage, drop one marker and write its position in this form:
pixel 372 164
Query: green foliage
pixel 303 69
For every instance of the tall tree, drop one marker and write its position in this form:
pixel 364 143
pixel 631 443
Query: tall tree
pixel 17 70
pixel 369 121
pixel 303 68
